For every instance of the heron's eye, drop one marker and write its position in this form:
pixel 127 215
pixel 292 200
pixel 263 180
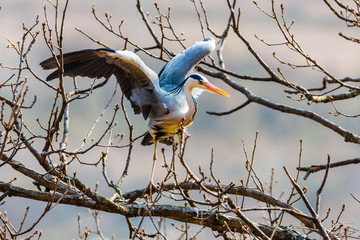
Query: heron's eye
pixel 200 82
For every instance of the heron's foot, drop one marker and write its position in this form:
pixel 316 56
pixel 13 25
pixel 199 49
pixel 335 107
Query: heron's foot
pixel 149 190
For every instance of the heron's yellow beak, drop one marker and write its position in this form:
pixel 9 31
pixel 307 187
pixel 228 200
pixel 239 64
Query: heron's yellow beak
pixel 212 88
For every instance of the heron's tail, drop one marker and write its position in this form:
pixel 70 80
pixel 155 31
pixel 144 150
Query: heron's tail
pixel 148 140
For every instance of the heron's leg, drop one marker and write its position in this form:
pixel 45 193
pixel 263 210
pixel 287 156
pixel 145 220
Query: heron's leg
pixel 180 137
pixel 151 183
pixel 154 163
pixel 155 148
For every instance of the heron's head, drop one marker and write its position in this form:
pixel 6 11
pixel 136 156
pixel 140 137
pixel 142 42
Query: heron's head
pixel 197 83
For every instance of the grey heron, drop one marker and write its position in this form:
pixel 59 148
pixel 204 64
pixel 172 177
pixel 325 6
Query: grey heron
pixel 167 98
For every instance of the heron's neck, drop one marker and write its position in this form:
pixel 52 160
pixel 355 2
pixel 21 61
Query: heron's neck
pixel 187 92
pixel 191 91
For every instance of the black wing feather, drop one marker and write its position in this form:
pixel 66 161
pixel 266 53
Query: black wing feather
pixel 104 63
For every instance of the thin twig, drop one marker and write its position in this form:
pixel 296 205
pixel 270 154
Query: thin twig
pixel 318 193
pixel 317 221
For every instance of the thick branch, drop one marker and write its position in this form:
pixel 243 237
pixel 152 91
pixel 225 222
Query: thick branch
pixel 239 190
pixel 40 179
pixel 316 168
pixel 348 136
pixel 213 220
pixel 335 97
pixel 75 200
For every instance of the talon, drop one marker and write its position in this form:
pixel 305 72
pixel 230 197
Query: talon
pixel 149 190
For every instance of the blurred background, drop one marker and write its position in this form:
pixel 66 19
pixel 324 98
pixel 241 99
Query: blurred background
pixel 316 30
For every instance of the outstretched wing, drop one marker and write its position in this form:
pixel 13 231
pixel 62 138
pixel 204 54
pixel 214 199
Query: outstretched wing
pixel 174 72
pixel 134 77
